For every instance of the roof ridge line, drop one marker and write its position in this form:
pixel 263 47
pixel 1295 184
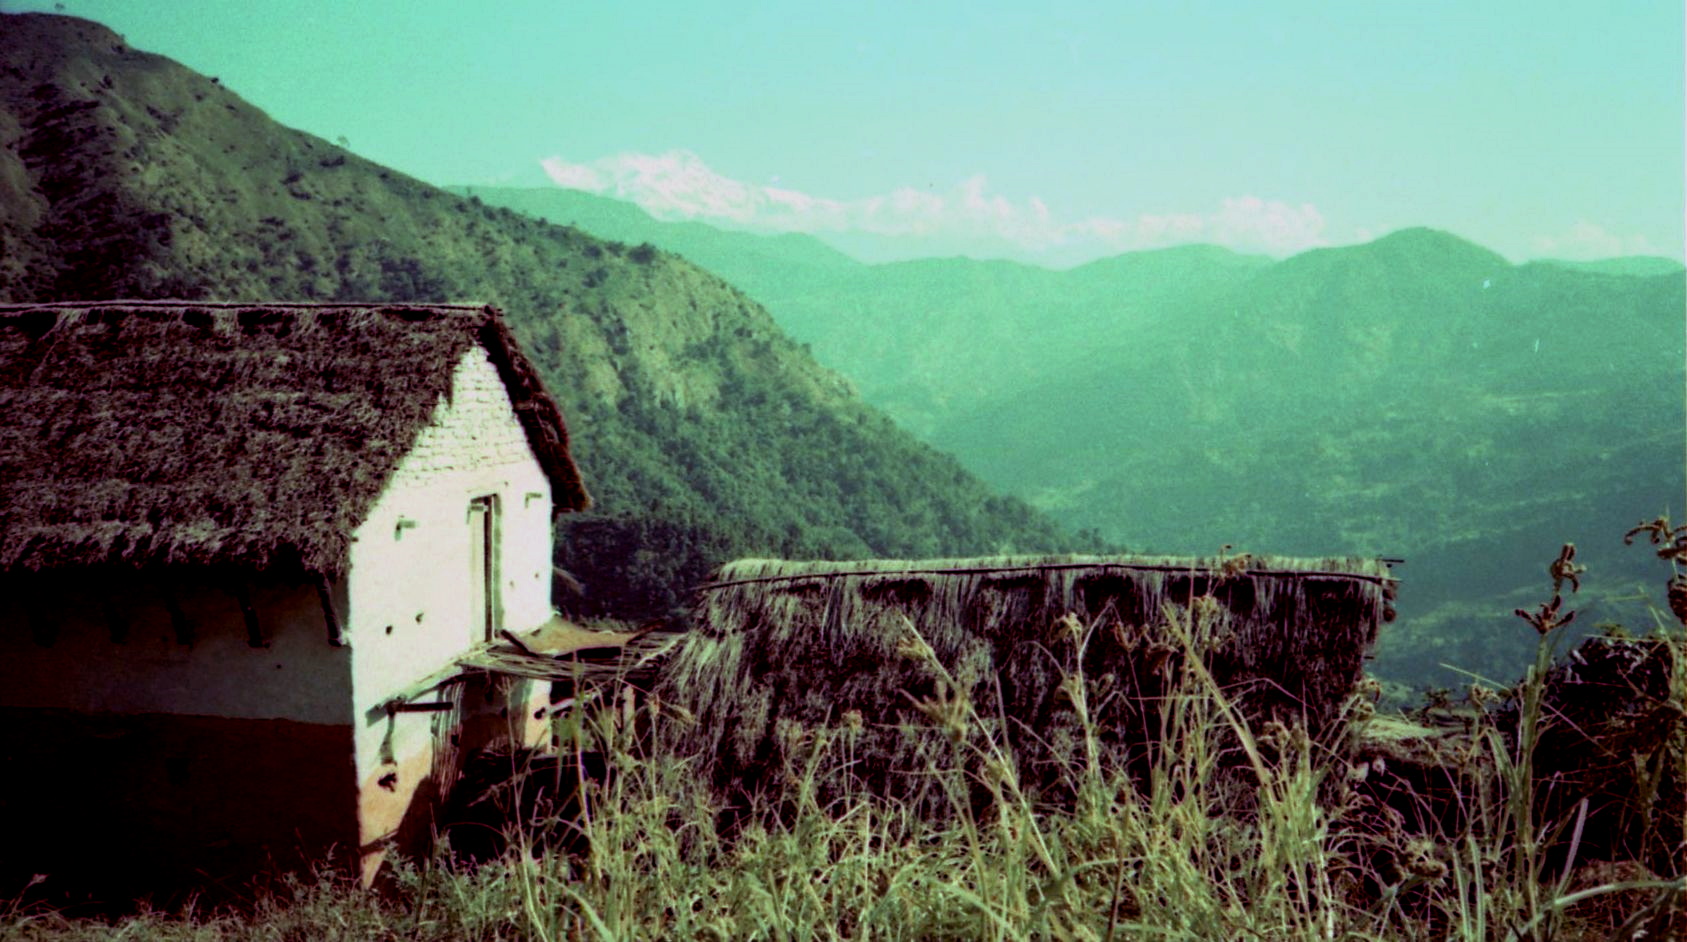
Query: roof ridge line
pixel 1207 569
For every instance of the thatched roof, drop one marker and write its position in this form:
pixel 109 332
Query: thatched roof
pixel 253 435
pixel 782 646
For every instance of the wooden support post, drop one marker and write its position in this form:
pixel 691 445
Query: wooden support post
pixel 325 595
pixel 254 632
pixel 115 621
pixel 178 618
pixel 43 621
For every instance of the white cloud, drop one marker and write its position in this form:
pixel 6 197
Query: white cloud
pixel 679 185
pixel 1588 240
pixel 574 176
pixel 1275 226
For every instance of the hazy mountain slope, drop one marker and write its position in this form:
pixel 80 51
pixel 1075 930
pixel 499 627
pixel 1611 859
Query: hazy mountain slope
pixel 921 339
pixel 1416 397
pixel 1629 265
pixel 1415 336
pixel 702 429
pixel 735 256
pixel 929 339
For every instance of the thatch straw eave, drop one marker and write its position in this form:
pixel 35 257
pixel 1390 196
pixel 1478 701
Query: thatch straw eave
pixel 170 434
pixel 785 646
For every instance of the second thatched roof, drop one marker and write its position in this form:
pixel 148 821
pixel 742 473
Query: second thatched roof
pixel 144 434
pixel 780 647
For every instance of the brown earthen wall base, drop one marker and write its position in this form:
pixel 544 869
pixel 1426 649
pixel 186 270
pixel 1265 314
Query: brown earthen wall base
pixel 400 799
pixel 119 805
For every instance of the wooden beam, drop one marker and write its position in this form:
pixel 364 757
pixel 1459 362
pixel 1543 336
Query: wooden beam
pixel 254 632
pixel 1032 569
pixel 178 618
pixel 427 706
pixel 449 674
pixel 43 621
pixel 115 622
pixel 325 595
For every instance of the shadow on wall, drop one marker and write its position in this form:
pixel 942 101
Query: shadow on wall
pixel 107 806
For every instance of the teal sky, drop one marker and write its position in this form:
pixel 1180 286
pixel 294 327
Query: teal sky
pixel 1536 128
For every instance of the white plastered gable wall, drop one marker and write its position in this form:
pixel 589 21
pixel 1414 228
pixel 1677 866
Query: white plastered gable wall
pixel 409 591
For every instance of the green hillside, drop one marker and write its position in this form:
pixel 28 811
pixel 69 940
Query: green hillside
pixel 703 430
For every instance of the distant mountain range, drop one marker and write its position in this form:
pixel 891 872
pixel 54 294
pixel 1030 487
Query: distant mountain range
pixel 1631 265
pixel 1418 396
pixel 704 432
pixel 919 338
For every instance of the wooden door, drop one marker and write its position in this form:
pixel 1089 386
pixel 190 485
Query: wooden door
pixel 483 569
